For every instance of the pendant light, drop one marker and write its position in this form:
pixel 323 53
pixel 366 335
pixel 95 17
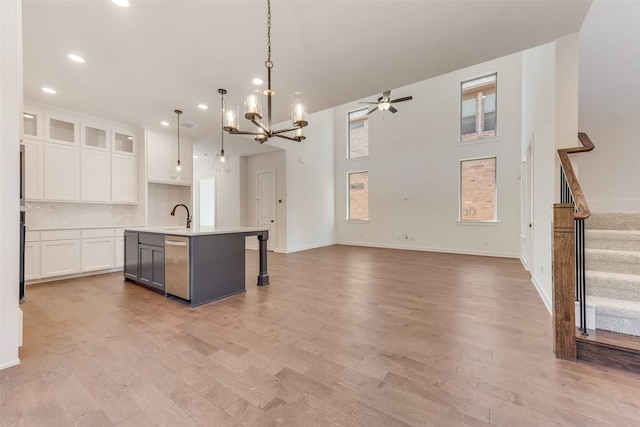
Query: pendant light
pixel 222 162
pixel 253 108
pixel 178 164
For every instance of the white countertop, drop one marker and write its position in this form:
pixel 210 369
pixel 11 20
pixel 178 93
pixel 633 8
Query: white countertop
pixel 83 227
pixel 195 231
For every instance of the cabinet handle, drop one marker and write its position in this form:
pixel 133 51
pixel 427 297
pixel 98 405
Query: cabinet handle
pixel 170 243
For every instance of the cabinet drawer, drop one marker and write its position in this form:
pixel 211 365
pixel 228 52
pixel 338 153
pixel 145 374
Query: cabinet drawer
pixel 151 239
pixel 94 233
pixel 59 235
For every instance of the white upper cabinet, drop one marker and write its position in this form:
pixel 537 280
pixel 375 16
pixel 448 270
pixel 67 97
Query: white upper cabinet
pixel 61 129
pixel 33 167
pixel 162 158
pixel 124 179
pixel 95 176
pixel 61 172
pixel 123 142
pixel 95 136
pixel 32 124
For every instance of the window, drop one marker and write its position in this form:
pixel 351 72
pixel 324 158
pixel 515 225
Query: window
pixel 478 189
pixel 478 108
pixel 358 139
pixel 358 196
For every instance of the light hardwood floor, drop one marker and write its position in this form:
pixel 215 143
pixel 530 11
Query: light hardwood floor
pixel 343 336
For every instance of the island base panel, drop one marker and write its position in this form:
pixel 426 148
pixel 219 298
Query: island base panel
pixel 217 267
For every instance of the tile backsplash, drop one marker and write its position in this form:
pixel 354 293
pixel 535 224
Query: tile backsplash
pixel 52 215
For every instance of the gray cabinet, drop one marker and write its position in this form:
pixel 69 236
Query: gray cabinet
pixel 131 255
pixel 144 258
pixel 151 272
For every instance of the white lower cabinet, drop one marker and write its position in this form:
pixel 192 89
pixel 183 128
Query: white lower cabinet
pixel 119 243
pixel 59 257
pixel 31 255
pixel 97 249
pixel 97 254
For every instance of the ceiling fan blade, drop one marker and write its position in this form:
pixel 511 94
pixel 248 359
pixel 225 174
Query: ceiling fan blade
pixel 393 110
pixel 372 110
pixel 386 95
pixel 367 102
pixel 406 98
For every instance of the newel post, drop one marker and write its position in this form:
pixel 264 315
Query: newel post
pixel 564 308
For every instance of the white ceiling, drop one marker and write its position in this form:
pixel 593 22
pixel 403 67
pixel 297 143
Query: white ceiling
pixel 144 61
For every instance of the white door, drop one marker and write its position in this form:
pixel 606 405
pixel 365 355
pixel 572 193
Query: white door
pixel 529 207
pixel 266 190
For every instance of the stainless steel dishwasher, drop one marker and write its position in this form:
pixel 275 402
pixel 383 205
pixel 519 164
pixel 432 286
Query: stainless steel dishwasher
pixel 176 266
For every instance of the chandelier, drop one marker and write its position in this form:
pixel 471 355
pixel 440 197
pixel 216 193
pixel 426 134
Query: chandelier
pixel 253 107
pixel 222 162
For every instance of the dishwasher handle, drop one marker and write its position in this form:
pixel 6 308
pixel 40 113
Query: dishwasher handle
pixel 173 243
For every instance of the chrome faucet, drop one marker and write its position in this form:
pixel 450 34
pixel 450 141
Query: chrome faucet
pixel 173 213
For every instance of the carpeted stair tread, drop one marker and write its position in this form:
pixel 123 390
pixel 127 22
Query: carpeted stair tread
pixel 617 315
pixel 615 261
pixel 613 285
pixel 613 221
pixel 628 240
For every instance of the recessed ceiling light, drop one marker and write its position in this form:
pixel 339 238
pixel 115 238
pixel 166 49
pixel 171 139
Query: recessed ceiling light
pixel 257 81
pixel 203 106
pixel 164 123
pixel 123 3
pixel 48 90
pixel 130 138
pixel 195 157
pixel 74 57
pixel 28 116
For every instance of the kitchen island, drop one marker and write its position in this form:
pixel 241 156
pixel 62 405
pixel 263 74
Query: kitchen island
pixel 197 265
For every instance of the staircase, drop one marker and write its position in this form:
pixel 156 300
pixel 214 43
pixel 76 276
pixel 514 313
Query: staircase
pixel 613 270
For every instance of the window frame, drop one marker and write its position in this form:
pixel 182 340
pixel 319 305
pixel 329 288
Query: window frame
pixel 348 151
pixel 495 192
pixel 461 93
pixel 348 198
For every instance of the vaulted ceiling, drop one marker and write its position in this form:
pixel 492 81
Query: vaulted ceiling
pixel 144 61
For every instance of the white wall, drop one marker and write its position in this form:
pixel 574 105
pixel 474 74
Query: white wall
pixel 264 162
pixel 161 200
pixel 228 195
pixel 10 119
pixel 310 202
pixel 550 119
pixel 610 105
pixel 414 168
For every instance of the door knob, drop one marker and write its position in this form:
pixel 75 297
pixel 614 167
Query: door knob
pixel 272 221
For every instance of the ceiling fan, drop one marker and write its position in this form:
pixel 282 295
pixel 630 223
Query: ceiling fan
pixel 385 101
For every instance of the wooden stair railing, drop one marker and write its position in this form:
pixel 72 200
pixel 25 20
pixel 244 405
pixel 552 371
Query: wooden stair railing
pixel 568 217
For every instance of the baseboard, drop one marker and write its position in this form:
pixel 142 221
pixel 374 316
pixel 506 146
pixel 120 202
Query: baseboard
pixel 431 249
pixel 543 296
pixel 305 248
pixel 72 276
pixel 524 264
pixel 10 364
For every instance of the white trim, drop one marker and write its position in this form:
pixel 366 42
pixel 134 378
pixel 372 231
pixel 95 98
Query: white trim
pixel 489 139
pixel 543 296
pixel 432 249
pixel 10 364
pixel 476 222
pixel 300 248
pixel 357 221
pixel 72 276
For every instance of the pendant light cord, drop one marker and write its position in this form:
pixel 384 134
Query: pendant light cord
pixel 222 117
pixel 268 63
